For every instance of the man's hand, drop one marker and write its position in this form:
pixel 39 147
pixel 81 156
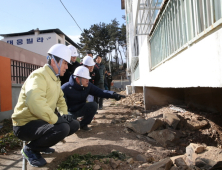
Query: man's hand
pixel 61 120
pixel 118 96
pixel 68 117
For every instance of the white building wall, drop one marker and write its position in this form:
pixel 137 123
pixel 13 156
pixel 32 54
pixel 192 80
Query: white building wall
pixel 143 62
pixel 200 65
pixel 40 45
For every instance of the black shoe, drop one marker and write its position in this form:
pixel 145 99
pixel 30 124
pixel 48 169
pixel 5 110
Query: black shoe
pixel 100 108
pixel 48 151
pixel 86 128
pixel 34 158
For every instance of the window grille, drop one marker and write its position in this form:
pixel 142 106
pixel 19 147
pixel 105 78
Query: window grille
pixel 20 71
pixel 147 12
pixel 181 22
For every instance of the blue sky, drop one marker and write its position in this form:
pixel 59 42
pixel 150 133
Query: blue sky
pixel 24 15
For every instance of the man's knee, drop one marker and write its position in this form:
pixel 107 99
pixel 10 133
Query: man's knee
pixel 64 129
pixel 74 126
pixel 93 106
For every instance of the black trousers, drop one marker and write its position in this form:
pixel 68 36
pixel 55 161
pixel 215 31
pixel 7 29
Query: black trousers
pixel 100 99
pixel 87 111
pixel 43 135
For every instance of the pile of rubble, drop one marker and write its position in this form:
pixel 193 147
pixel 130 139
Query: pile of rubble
pixel 194 139
pixel 135 99
pixel 175 127
pixel 197 157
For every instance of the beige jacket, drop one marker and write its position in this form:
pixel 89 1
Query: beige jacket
pixel 40 95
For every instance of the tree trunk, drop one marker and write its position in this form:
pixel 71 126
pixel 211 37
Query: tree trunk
pixel 120 56
pixel 124 51
pixel 109 62
pixel 116 58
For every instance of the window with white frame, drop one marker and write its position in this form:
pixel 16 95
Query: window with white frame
pixel 181 22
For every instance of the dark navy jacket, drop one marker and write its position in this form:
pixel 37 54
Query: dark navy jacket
pixel 76 95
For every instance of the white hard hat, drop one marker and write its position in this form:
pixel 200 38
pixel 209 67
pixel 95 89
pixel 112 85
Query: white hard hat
pixel 82 71
pixel 73 49
pixel 61 51
pixel 88 61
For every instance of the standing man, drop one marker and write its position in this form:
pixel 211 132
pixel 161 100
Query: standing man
pixel 89 53
pixel 106 81
pixel 72 66
pixel 94 72
pixel 109 80
pixel 101 69
pixel 89 63
pixel 34 117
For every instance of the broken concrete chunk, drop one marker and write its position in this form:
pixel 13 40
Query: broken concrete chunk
pixel 204 163
pixel 164 164
pixel 144 126
pixel 114 164
pixel 199 149
pixel 145 165
pixel 180 162
pixel 196 124
pixel 176 157
pixel 130 161
pixel 178 109
pixel 141 157
pixel 171 119
pixel 192 150
pixel 190 153
pixel 211 157
pixel 165 137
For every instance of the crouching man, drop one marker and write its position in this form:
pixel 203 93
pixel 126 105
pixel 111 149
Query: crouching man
pixel 76 91
pixel 34 117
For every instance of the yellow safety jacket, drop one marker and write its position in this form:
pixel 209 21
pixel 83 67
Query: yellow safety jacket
pixel 40 95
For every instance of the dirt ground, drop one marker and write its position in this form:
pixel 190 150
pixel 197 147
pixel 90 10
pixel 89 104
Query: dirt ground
pixel 110 134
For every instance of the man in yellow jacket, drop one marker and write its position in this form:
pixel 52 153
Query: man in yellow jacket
pixel 34 118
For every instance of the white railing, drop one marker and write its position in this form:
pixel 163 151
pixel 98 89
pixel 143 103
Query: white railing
pixel 147 11
pixel 182 22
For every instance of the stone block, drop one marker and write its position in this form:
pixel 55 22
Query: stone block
pixel 171 119
pixel 164 164
pixel 165 137
pixel 142 126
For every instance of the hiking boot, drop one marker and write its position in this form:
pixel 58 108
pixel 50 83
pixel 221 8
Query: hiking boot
pixel 34 158
pixel 48 151
pixel 86 128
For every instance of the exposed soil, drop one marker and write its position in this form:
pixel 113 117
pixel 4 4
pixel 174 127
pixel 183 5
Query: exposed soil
pixel 110 134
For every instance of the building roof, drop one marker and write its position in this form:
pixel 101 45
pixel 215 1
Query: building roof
pixel 57 31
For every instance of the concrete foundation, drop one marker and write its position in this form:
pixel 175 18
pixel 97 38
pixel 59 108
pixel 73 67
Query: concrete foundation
pixel 137 89
pixel 204 98
pixel 162 96
pixel 201 98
